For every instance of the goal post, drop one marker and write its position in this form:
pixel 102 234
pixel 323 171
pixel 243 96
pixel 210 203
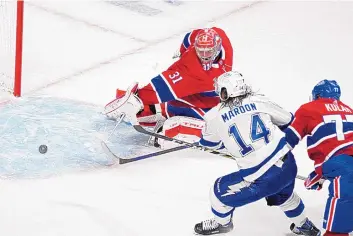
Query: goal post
pixel 11 45
pixel 19 45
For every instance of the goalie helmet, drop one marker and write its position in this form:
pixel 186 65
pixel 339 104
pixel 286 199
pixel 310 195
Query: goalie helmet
pixel 230 85
pixel 208 45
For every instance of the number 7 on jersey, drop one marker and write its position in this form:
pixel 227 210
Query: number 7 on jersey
pixel 339 123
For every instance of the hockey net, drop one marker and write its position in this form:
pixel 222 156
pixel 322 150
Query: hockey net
pixel 11 27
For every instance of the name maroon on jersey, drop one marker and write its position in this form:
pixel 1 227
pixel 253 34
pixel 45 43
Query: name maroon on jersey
pixel 185 80
pixel 328 125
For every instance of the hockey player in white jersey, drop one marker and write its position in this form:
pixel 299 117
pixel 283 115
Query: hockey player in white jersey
pixel 249 126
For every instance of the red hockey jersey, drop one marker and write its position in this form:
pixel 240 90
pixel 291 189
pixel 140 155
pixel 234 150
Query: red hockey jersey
pixel 185 82
pixel 328 125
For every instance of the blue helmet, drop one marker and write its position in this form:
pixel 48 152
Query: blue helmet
pixel 326 89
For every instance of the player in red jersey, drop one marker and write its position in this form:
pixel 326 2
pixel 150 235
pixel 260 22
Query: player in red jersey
pixel 186 87
pixel 328 125
pixel 204 55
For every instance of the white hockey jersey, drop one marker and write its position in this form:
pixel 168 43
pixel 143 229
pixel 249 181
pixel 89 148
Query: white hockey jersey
pixel 251 134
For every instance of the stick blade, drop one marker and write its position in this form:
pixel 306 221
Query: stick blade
pixel 109 153
pixel 113 156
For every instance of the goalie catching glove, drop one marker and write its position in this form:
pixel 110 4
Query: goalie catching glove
pixel 128 104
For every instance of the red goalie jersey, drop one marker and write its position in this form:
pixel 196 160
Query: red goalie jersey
pixel 328 125
pixel 204 55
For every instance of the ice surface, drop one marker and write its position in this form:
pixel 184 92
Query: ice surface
pixel 78 53
pixel 72 131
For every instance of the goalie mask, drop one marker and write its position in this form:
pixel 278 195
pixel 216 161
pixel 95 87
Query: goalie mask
pixel 230 85
pixel 208 45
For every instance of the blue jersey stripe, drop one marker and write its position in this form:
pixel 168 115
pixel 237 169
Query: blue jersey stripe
pixel 183 111
pixel 162 89
pixel 327 130
pixel 209 94
pixel 250 171
pixel 209 144
pixel 186 40
pixel 291 137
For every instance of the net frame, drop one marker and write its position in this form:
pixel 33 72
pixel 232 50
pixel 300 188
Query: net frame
pixel 19 47
pixel 12 42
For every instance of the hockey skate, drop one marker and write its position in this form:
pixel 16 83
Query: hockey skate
pixel 209 227
pixel 307 229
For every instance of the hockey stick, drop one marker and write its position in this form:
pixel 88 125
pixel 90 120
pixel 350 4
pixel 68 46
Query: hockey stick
pixel 140 129
pixel 121 161
pixel 122 116
pixel 301 177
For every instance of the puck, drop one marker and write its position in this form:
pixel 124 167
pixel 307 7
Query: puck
pixel 43 148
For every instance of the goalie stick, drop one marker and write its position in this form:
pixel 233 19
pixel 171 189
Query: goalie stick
pixel 140 129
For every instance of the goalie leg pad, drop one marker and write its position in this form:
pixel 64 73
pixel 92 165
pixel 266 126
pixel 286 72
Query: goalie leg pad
pixel 182 128
pixel 150 116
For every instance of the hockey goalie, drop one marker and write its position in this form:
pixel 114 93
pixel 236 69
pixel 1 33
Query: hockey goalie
pixel 175 101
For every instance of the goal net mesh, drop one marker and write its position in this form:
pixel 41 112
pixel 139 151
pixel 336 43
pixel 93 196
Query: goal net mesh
pixel 7 45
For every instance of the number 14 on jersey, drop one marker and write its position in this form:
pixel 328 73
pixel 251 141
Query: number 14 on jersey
pixel 258 131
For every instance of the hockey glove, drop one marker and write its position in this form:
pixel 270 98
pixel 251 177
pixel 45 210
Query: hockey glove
pixel 314 181
pixel 128 105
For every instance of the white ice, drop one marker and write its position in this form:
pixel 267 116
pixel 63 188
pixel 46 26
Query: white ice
pixel 85 50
